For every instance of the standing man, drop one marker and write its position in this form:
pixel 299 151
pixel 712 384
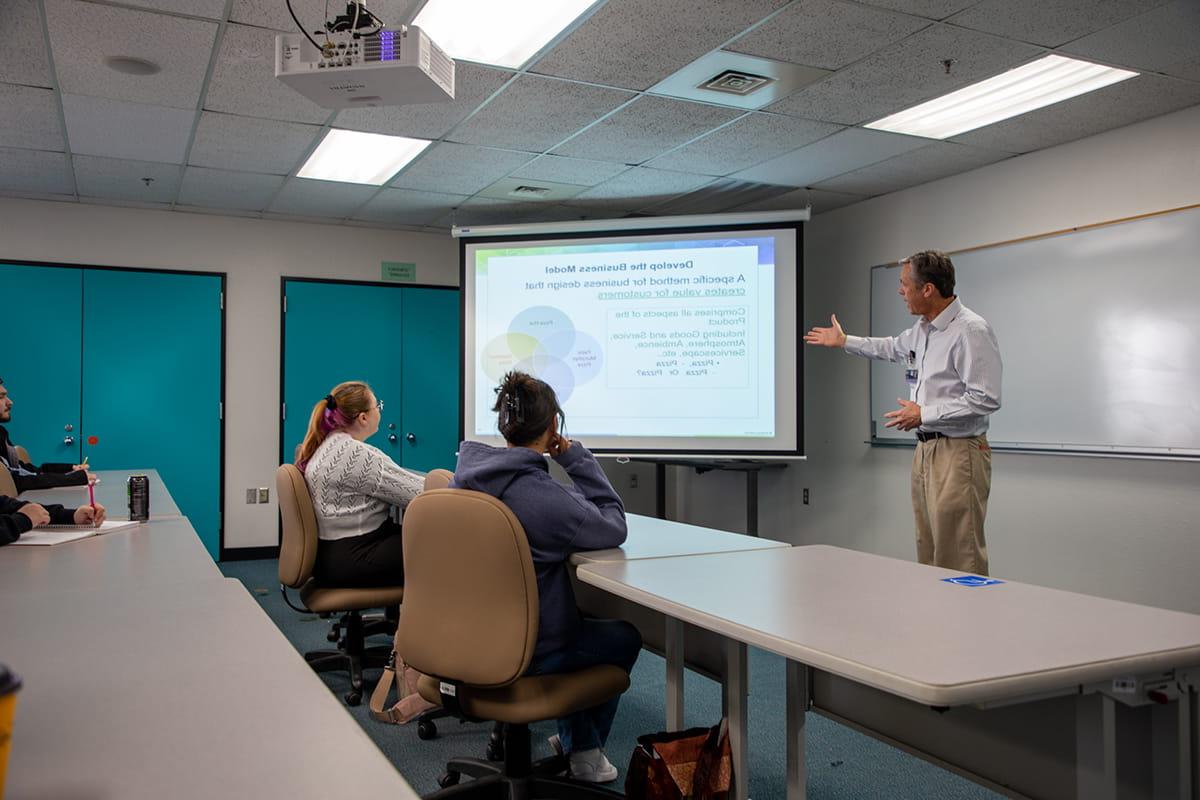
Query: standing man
pixel 27 476
pixel 952 366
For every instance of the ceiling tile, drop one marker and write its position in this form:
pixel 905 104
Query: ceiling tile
pixel 536 113
pixel 247 144
pixel 472 85
pixel 211 9
pixel 749 141
pixel 636 43
pixel 930 9
pixel 1049 24
pixel 1165 40
pixel 486 211
pixel 218 188
pixel 30 118
pixel 1122 103
pixel 118 179
pixel 274 14
pixel 819 200
pixel 100 127
pixel 84 34
pixel 644 129
pixel 579 171
pixel 826 33
pixel 35 171
pixel 638 188
pixel 842 152
pixel 458 168
pixel 23 57
pixel 321 198
pixel 936 160
pixel 408 207
pixel 244 80
pixel 904 74
pixel 718 196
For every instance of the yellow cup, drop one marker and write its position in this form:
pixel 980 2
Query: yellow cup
pixel 10 684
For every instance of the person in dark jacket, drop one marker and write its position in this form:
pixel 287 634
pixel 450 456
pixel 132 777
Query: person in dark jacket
pixel 26 476
pixel 559 520
pixel 18 517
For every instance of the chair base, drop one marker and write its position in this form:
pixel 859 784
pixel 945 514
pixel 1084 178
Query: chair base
pixel 518 777
pixel 351 662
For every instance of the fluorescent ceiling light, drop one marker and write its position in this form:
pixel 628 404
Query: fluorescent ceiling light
pixel 506 34
pixel 354 157
pixel 1039 83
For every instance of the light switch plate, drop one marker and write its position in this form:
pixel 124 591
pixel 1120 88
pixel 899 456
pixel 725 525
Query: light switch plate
pixel 251 496
pixel 264 495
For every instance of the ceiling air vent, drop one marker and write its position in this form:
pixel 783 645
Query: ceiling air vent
pixel 734 82
pixel 529 192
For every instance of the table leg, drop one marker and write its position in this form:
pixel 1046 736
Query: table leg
pixel 734 691
pixel 674 648
pixel 1170 738
pixel 1095 747
pixel 797 705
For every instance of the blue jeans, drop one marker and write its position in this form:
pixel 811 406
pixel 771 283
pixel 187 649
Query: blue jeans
pixel 599 641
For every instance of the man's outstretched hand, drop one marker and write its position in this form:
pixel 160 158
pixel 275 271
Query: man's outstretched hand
pixel 827 337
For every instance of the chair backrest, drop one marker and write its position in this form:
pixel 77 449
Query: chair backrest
pixel 22 453
pixel 438 479
pixel 298 546
pixel 470 593
pixel 7 487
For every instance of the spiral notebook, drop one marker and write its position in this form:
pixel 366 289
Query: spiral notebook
pixel 57 534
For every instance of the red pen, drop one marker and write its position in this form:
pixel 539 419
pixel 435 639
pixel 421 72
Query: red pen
pixel 92 498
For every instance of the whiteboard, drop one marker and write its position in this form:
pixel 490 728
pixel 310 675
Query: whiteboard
pixel 1099 332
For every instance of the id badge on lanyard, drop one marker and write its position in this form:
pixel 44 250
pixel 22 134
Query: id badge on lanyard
pixel 910 373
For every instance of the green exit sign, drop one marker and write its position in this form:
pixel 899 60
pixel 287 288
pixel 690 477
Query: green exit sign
pixel 399 271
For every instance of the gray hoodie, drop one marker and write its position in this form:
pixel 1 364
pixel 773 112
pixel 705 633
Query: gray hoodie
pixel 559 520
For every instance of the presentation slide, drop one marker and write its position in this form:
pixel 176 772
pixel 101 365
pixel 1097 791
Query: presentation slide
pixel 664 343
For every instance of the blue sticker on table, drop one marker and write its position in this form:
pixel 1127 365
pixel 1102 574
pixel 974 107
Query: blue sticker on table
pixel 971 580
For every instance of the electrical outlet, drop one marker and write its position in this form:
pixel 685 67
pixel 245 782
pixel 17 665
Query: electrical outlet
pixel 264 495
pixel 806 497
pixel 251 496
pixel 633 483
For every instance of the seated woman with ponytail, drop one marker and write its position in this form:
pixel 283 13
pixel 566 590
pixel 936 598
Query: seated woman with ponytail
pixel 558 520
pixel 353 486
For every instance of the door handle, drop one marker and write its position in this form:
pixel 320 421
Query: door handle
pixel 392 438
pixel 68 440
pixel 412 438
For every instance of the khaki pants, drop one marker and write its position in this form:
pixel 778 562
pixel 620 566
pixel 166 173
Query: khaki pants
pixel 951 480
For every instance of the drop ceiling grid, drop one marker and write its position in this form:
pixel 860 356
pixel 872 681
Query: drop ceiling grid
pixel 578 113
pixel 23 58
pixel 30 119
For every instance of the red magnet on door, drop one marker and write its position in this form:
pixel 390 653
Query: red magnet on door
pixel 93 440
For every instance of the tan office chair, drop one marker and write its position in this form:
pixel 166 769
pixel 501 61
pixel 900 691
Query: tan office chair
pixel 471 623
pixel 297 556
pixel 438 479
pixel 7 487
pixel 22 453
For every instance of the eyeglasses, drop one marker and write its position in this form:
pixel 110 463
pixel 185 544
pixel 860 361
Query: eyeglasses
pixel 379 405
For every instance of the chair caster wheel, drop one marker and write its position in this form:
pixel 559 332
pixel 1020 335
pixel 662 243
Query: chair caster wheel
pixel 449 779
pixel 426 729
pixel 495 750
pixel 332 636
pixel 352 698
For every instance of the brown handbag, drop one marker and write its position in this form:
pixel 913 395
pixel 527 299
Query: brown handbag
pixel 696 763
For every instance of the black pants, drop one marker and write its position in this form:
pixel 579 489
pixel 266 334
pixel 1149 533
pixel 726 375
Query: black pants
pixel 370 560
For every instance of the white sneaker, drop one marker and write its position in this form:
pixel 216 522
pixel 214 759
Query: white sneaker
pixel 592 766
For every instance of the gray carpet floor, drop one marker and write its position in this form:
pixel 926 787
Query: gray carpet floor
pixel 842 763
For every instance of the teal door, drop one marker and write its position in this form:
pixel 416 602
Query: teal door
pixel 40 369
pixel 152 384
pixel 401 340
pixel 431 378
pixel 336 332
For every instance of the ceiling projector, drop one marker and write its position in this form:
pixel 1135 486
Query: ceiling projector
pixel 348 70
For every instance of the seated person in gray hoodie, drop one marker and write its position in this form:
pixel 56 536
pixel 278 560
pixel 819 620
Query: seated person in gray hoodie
pixel 559 520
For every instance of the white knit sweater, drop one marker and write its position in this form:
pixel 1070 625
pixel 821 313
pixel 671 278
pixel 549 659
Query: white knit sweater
pixel 353 485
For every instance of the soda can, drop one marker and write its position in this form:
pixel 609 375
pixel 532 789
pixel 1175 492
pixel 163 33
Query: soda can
pixel 138 491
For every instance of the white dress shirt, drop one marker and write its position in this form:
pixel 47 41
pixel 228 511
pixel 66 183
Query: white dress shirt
pixel 953 368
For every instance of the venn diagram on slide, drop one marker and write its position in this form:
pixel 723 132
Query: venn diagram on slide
pixel 543 342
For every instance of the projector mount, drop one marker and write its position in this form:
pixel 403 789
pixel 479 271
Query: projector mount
pixel 357 21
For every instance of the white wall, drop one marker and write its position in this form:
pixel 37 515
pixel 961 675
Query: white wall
pixel 1119 528
pixel 255 254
